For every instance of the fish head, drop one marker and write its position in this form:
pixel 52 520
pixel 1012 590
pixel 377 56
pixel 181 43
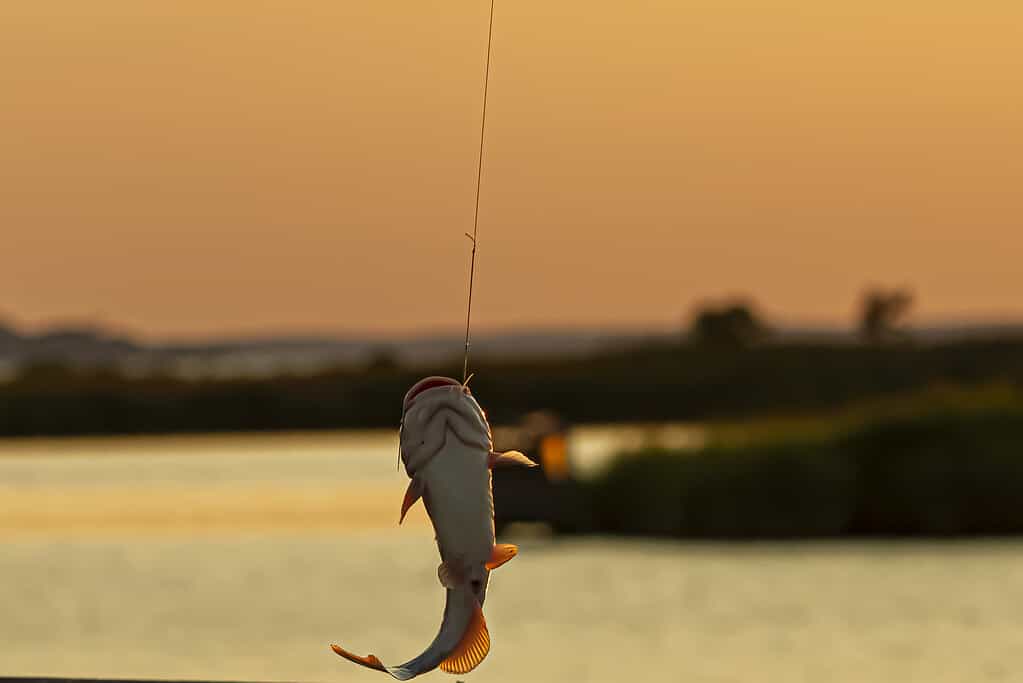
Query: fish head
pixel 426 384
pixel 431 408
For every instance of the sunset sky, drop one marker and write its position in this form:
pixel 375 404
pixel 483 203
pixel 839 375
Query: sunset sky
pixel 192 168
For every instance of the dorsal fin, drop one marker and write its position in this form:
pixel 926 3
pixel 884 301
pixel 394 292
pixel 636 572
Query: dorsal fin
pixel 473 647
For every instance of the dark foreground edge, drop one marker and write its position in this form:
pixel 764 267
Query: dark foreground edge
pixel 45 679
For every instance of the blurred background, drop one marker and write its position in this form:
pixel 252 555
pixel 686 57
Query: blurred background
pixel 748 288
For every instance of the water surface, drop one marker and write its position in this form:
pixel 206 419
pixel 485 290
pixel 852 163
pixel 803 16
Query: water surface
pixel 244 557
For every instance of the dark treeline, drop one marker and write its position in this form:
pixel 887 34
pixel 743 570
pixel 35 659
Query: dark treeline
pixel 684 381
pixel 946 471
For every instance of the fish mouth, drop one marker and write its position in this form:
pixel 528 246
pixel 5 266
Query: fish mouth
pixel 427 384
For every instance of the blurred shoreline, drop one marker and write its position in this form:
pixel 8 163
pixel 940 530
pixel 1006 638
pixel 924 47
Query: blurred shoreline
pixel 942 463
pixel 677 381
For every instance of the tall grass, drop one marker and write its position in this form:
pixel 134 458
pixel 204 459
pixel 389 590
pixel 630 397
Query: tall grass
pixel 945 463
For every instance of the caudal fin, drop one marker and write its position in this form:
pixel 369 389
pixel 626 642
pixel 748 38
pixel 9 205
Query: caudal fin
pixel 472 649
pixel 460 645
pixel 370 662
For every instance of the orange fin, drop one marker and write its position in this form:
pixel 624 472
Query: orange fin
pixel 370 662
pixel 473 647
pixel 501 553
pixel 509 458
pixel 413 493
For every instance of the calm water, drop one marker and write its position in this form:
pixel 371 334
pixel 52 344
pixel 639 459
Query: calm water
pixel 243 558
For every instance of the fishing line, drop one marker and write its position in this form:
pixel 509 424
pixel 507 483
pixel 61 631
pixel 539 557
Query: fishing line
pixel 476 213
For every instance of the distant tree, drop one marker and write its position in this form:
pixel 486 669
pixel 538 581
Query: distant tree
pixel 383 359
pixel 734 324
pixel 47 373
pixel 881 312
pixel 10 340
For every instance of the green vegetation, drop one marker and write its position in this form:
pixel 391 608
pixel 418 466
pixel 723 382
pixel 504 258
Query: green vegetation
pixel 682 381
pixel 941 463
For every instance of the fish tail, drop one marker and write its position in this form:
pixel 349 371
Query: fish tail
pixel 461 644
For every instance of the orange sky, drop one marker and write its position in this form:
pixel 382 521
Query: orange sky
pixel 226 166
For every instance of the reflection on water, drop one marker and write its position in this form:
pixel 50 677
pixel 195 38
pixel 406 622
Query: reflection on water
pixel 244 557
pixel 340 480
pixel 266 607
pixel 200 484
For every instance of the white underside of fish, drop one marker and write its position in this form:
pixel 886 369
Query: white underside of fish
pixel 446 448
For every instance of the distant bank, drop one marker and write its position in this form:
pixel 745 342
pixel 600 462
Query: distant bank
pixel 942 463
pixel 653 381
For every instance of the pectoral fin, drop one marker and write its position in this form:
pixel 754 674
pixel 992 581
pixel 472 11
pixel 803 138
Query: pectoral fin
pixel 472 649
pixel 413 493
pixel 501 553
pixel 509 458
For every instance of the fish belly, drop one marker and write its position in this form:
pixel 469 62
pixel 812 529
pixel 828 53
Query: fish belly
pixel 460 503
